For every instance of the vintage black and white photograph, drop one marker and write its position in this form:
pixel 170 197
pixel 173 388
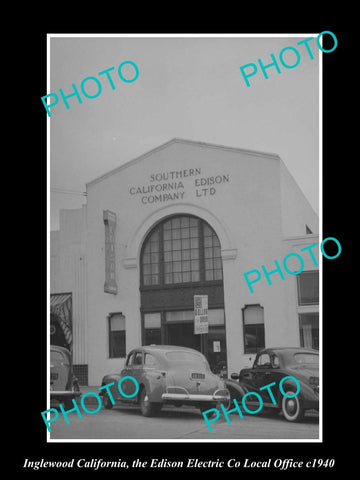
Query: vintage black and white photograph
pixel 184 240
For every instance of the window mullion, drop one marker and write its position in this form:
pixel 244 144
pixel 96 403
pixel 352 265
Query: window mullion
pixel 161 255
pixel 201 252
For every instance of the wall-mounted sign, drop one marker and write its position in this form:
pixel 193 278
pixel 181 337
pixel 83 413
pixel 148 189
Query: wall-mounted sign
pixel 176 185
pixel 110 264
pixel 216 346
pixel 201 323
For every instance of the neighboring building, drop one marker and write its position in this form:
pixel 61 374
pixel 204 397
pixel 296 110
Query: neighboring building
pixel 185 219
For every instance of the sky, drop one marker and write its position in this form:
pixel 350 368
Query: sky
pixel 188 87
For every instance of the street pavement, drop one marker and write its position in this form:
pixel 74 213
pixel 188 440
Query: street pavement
pixel 179 424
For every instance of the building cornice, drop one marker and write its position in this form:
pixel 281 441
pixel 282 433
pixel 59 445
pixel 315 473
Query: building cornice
pixel 142 157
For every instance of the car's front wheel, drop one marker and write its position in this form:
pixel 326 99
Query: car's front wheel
pixel 107 402
pixel 292 408
pixel 148 409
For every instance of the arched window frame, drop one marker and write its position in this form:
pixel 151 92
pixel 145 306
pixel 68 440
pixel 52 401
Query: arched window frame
pixel 204 270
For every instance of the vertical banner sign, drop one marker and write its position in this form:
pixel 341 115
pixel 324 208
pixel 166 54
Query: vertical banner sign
pixel 201 324
pixel 110 224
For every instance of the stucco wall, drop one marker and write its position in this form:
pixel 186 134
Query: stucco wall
pixel 254 206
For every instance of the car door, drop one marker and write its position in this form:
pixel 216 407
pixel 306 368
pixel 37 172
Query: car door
pixel 262 374
pixel 59 370
pixel 274 375
pixel 133 368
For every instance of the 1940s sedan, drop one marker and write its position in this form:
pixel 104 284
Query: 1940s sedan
pixel 272 365
pixel 64 386
pixel 166 375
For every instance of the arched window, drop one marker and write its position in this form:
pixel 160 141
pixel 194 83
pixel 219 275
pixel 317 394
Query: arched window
pixel 181 249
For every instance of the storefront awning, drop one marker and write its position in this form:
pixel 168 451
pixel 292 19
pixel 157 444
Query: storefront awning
pixel 58 299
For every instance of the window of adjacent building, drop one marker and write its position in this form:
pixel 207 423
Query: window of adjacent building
pixel 308 288
pixel 254 330
pixel 309 330
pixel 117 335
pixel 182 249
pixel 152 328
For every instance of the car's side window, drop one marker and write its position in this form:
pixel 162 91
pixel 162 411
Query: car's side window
pixel 275 361
pixel 129 360
pixel 263 360
pixel 150 360
pixel 137 359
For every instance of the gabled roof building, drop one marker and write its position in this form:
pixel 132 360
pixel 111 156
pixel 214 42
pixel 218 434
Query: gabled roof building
pixel 180 224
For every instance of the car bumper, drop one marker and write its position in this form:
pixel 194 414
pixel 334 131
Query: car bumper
pixel 64 394
pixel 180 394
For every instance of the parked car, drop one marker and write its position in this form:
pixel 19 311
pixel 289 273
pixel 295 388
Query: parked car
pixel 64 386
pixel 166 375
pixel 273 364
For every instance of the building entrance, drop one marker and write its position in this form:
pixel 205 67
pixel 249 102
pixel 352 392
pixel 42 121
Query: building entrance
pixel 181 258
pixel 183 334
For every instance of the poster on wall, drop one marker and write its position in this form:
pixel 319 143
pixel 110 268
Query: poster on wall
pixel 201 323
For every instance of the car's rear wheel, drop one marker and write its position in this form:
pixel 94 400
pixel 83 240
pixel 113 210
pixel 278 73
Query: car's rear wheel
pixel 292 408
pixel 68 403
pixel 236 393
pixel 148 409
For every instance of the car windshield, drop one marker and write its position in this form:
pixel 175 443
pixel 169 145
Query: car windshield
pixel 185 357
pixel 306 358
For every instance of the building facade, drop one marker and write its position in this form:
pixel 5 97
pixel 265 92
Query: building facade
pixel 182 220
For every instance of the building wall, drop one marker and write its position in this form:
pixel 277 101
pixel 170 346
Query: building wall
pixel 296 211
pixel 68 274
pixel 247 213
pixel 295 245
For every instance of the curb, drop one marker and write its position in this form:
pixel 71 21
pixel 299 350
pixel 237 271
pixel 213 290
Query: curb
pixel 91 399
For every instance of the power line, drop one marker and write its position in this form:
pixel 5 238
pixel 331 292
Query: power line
pixel 66 191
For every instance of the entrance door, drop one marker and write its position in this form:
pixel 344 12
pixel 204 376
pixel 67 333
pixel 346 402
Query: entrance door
pixel 181 258
pixel 182 334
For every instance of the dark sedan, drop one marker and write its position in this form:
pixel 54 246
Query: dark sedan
pixel 272 365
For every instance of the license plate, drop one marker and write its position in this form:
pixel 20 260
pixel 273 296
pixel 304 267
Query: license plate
pixel 197 376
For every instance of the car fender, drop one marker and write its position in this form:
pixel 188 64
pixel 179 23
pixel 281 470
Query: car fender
pixel 236 390
pixel 154 384
pixel 306 392
pixel 112 378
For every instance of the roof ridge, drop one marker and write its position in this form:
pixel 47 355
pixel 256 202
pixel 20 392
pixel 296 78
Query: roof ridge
pixel 170 142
